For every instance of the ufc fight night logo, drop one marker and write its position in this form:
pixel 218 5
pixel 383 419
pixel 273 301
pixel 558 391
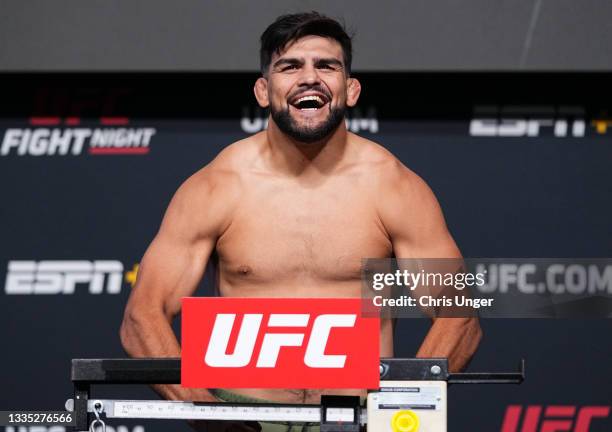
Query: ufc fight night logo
pixel 55 136
pixel 555 418
pixel 278 343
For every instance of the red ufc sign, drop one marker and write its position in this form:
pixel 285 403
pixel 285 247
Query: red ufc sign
pixel 557 418
pixel 278 343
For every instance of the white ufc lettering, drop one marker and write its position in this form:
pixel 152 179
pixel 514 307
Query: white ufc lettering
pixel 315 357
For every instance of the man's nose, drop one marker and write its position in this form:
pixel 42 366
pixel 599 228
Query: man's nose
pixel 309 76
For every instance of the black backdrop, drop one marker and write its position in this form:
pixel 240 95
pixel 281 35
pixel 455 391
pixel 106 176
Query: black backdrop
pixel 534 194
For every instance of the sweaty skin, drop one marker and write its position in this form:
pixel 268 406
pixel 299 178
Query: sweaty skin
pixel 289 219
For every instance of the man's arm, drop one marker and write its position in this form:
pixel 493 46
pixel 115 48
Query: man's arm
pixel 172 268
pixel 413 219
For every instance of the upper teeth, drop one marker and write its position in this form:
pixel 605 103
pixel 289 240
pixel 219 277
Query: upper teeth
pixel 308 98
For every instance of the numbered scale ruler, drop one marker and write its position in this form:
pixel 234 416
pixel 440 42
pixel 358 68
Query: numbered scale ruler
pixel 206 411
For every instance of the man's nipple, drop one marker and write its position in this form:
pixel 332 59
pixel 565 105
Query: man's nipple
pixel 244 270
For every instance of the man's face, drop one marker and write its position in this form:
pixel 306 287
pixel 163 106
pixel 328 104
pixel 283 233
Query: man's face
pixel 307 88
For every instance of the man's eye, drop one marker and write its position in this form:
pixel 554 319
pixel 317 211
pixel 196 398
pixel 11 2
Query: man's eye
pixel 326 66
pixel 289 67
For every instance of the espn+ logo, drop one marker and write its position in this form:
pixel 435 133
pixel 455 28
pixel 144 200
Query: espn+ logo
pixel 278 343
pixel 556 418
pixel 63 277
pixel 528 121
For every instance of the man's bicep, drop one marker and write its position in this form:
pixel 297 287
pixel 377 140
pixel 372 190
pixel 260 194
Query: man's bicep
pixel 433 244
pixel 174 262
pixel 170 270
pixel 414 220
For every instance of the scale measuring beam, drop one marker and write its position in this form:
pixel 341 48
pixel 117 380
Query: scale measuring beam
pixel 178 410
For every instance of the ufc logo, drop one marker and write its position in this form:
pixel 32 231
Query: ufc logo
pixel 557 418
pixel 314 357
pixel 278 343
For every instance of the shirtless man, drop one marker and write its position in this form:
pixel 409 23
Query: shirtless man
pixel 292 210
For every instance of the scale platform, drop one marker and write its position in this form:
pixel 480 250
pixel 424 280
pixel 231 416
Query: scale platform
pixel 412 397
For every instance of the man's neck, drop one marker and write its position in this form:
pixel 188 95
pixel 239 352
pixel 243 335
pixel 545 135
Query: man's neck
pixel 296 158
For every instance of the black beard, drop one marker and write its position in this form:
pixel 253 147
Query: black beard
pixel 308 135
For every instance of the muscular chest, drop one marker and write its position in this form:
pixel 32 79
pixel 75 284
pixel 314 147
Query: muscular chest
pixel 282 232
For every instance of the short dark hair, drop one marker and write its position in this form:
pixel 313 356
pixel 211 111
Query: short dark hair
pixel 289 28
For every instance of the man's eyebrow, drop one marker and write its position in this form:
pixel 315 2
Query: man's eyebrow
pixel 330 61
pixel 287 61
pixel 319 61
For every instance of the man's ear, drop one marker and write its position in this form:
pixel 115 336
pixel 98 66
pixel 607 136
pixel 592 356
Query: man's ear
pixel 261 92
pixel 353 92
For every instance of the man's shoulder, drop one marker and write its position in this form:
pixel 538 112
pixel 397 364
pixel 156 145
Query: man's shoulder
pixel 226 171
pixel 220 181
pixel 401 195
pixel 382 166
pixel 235 156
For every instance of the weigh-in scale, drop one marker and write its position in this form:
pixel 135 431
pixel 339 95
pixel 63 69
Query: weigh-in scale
pixel 412 397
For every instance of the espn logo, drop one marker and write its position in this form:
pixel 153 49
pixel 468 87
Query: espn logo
pixel 278 343
pixel 62 277
pixel 557 418
pixel 529 121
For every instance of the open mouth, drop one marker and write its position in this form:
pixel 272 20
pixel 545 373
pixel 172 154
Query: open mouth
pixel 310 102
